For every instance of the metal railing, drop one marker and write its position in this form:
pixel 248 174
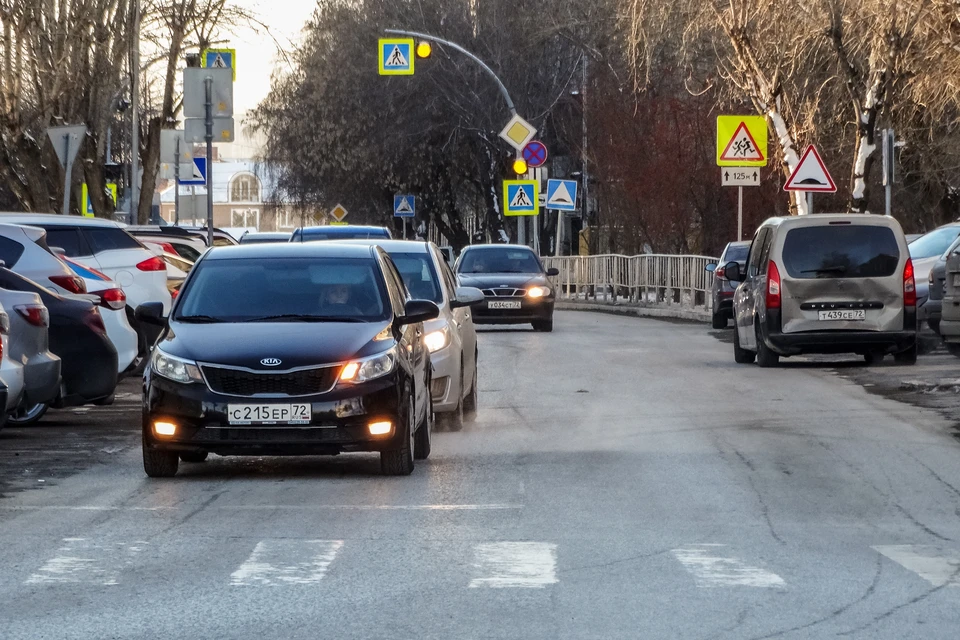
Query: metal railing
pixel 660 280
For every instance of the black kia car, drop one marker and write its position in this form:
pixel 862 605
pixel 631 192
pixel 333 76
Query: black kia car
pixel 513 282
pixel 289 349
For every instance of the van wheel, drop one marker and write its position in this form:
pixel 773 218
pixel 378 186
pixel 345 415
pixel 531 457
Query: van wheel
pixel 741 355
pixel 719 320
pixel 873 358
pixel 907 357
pixel 765 357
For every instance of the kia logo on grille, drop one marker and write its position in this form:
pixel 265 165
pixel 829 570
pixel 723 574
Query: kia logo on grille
pixel 271 362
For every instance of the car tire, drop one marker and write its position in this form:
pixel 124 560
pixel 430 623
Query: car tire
pixel 953 348
pixel 472 401
pixel 873 358
pixel 454 419
pixel 908 357
pixel 719 320
pixel 741 355
pixel 194 456
pixel 28 416
pixel 546 326
pixel 158 463
pixel 423 437
pixel 399 461
pixel 765 357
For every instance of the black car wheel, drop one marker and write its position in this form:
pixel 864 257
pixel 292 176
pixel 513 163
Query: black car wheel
pixel 399 461
pixel 873 358
pixel 765 357
pixel 194 456
pixel 26 416
pixel 908 357
pixel 454 420
pixel 719 320
pixel 471 402
pixel 424 434
pixel 741 355
pixel 158 463
pixel 545 326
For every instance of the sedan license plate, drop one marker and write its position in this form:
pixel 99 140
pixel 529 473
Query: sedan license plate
pixel 503 304
pixel 269 413
pixel 844 314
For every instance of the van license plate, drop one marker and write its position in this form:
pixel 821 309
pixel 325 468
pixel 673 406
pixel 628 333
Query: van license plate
pixel 503 304
pixel 844 314
pixel 269 413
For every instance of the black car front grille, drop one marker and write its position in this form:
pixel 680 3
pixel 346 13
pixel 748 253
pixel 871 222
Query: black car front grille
pixel 238 382
pixel 504 293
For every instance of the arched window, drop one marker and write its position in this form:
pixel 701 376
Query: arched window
pixel 245 188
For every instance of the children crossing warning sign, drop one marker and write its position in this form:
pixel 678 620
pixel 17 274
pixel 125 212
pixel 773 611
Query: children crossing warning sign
pixel 741 141
pixel 396 56
pixel 520 198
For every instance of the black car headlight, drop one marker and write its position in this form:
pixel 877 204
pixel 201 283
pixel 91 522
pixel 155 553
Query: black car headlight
pixel 538 292
pixel 174 368
pixel 371 368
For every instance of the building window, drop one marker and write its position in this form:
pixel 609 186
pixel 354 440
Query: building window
pixel 245 218
pixel 245 188
pixel 286 219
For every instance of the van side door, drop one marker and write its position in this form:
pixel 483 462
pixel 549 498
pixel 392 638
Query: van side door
pixel 746 298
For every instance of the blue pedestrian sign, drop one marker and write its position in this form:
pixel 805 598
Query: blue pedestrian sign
pixel 562 195
pixel 520 197
pixel 199 173
pixel 220 59
pixel 396 56
pixel 404 206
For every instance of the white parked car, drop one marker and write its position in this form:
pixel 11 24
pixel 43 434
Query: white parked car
pixel 11 371
pixel 112 302
pixel 24 251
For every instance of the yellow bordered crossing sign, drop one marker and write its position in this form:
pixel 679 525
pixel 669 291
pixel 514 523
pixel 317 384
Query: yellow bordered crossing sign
pixel 220 59
pixel 521 197
pixel 741 141
pixel 396 56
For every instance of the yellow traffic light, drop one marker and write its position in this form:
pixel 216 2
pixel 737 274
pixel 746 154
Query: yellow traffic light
pixel 520 166
pixel 424 49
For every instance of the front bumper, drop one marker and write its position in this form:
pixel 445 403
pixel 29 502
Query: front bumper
pixel 831 342
pixel 531 310
pixel 445 383
pixel 339 420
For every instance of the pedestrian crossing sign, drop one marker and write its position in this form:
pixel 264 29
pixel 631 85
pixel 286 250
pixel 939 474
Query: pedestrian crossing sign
pixel 521 197
pixel 404 206
pixel 220 59
pixel 396 56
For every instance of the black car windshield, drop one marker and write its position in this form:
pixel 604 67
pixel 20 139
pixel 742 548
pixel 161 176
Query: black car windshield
pixel 854 251
pixel 284 289
pixel 499 260
pixel 419 275
pixel 934 243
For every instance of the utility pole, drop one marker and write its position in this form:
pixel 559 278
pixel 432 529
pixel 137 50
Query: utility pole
pixel 583 158
pixel 135 114
pixel 208 109
pixel 176 185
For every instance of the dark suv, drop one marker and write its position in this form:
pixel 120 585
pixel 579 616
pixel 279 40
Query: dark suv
pixel 722 289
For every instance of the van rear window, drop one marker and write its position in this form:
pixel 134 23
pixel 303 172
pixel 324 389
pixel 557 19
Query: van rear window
pixel 849 251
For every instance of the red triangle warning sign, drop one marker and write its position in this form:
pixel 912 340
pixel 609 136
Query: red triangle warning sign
pixel 811 174
pixel 742 147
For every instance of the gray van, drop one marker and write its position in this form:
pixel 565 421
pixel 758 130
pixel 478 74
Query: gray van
pixel 825 283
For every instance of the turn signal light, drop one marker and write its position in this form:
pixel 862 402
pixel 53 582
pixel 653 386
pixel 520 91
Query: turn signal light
pixel 380 428
pixel 350 371
pixel 114 299
pixel 164 428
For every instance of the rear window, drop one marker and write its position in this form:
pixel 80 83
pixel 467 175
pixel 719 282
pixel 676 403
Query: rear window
pixel 934 243
pixel 68 239
pixel 339 234
pixel 10 251
pixel 841 251
pixel 736 253
pixel 110 239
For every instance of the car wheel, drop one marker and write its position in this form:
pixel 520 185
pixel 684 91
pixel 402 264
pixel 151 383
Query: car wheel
pixel 953 348
pixel 158 463
pixel 424 434
pixel 399 461
pixel 934 326
pixel 765 357
pixel 545 326
pixel 907 357
pixel 719 320
pixel 741 355
pixel 873 358
pixel 454 419
pixel 471 402
pixel 194 456
pixel 28 415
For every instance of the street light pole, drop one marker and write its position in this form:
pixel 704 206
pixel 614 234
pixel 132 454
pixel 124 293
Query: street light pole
pixel 135 114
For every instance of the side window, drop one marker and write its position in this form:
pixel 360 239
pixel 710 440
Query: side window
pixel 765 251
pixel 753 267
pixel 10 251
pixel 395 288
pixel 110 239
pixel 68 239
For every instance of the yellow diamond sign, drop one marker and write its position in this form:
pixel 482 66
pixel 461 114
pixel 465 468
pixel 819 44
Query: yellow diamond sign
pixel 518 132
pixel 339 213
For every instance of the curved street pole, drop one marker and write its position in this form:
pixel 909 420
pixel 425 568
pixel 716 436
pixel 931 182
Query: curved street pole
pixel 455 46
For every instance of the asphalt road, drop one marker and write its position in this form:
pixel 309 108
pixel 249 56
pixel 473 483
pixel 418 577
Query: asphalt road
pixel 624 479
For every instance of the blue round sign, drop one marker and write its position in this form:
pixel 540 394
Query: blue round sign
pixel 535 153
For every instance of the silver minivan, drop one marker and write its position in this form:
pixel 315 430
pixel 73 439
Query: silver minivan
pixel 826 283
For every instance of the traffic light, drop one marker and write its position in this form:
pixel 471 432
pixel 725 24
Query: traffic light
pixel 424 49
pixel 520 166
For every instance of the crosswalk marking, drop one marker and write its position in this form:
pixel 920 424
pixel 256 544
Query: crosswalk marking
pixel 711 569
pixel 940 567
pixel 531 565
pixel 80 560
pixel 287 562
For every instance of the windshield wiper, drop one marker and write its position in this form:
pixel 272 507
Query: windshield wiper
pixel 837 269
pixel 200 319
pixel 299 317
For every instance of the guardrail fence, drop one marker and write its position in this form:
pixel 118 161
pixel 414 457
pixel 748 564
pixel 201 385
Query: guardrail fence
pixel 662 280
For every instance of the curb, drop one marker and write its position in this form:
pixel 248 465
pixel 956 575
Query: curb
pixel 679 313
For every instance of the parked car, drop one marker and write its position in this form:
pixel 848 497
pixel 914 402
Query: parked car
pixel 322 353
pixel 931 311
pixel 24 250
pixel 925 251
pixel 339 232
pixel 722 289
pixel 78 336
pixel 29 344
pixel 221 238
pixel 112 301
pixel 261 237
pixel 183 242
pixel 949 326
pixel 11 369
pixel 826 284
pixel 514 284
pixel 451 338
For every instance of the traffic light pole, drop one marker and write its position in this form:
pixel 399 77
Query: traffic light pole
pixel 208 109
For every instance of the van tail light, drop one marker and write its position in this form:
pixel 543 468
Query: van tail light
pixel 721 272
pixel 153 264
pixel 73 284
pixel 35 314
pixel 114 299
pixel 909 285
pixel 773 286
pixel 95 321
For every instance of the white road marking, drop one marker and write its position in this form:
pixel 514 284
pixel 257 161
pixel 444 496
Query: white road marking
pixel 710 569
pixel 287 562
pixel 275 507
pixel 938 566
pixel 531 565
pixel 81 560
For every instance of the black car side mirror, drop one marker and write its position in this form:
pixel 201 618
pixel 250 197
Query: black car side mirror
pixel 418 311
pixel 553 271
pixel 732 272
pixel 151 313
